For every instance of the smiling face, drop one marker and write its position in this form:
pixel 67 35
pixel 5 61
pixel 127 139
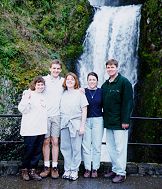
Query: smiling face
pixel 39 87
pixel 70 82
pixel 92 82
pixel 55 70
pixel 112 70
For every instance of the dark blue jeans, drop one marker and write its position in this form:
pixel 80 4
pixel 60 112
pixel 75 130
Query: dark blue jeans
pixel 32 151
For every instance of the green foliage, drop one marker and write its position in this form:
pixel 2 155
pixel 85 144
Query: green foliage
pixel 150 89
pixel 151 22
pixel 151 54
pixel 32 33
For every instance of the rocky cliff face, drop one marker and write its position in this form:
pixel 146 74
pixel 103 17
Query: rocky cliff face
pixel 150 66
pixel 149 88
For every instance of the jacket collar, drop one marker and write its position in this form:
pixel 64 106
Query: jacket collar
pixel 116 79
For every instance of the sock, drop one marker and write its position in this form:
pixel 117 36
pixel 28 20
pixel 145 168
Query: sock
pixel 54 164
pixel 47 163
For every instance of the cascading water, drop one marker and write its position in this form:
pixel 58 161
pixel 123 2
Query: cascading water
pixel 96 3
pixel 114 33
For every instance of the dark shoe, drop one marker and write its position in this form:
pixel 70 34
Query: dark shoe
pixel 46 172
pixel 94 174
pixel 25 175
pixel 87 174
pixel 54 173
pixel 119 179
pixel 34 176
pixel 110 175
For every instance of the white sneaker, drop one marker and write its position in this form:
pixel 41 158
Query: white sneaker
pixel 66 175
pixel 73 175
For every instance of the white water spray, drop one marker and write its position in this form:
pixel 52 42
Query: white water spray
pixel 114 33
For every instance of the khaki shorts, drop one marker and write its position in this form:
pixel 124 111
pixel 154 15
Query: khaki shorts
pixel 53 127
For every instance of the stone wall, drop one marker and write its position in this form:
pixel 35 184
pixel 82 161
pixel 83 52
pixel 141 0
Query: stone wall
pixel 133 169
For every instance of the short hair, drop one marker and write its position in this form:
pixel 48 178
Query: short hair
pixel 38 79
pixel 92 74
pixel 76 86
pixel 56 61
pixel 112 62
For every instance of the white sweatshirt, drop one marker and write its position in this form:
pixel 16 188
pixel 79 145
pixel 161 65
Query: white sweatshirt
pixel 34 113
pixel 53 91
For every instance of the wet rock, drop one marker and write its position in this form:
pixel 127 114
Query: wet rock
pixel 132 168
pixel 147 169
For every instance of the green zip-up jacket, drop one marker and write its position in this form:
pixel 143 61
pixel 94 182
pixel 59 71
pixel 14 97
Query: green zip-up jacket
pixel 117 102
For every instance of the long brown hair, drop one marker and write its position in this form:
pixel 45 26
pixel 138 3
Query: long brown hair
pixel 76 86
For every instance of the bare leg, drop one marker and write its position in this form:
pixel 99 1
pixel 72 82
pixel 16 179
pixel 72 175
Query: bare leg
pixel 46 156
pixel 46 149
pixel 55 148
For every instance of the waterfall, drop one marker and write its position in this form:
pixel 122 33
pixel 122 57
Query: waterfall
pixel 98 3
pixel 114 33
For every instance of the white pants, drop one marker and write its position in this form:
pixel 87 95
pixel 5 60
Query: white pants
pixel 71 150
pixel 92 140
pixel 117 141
